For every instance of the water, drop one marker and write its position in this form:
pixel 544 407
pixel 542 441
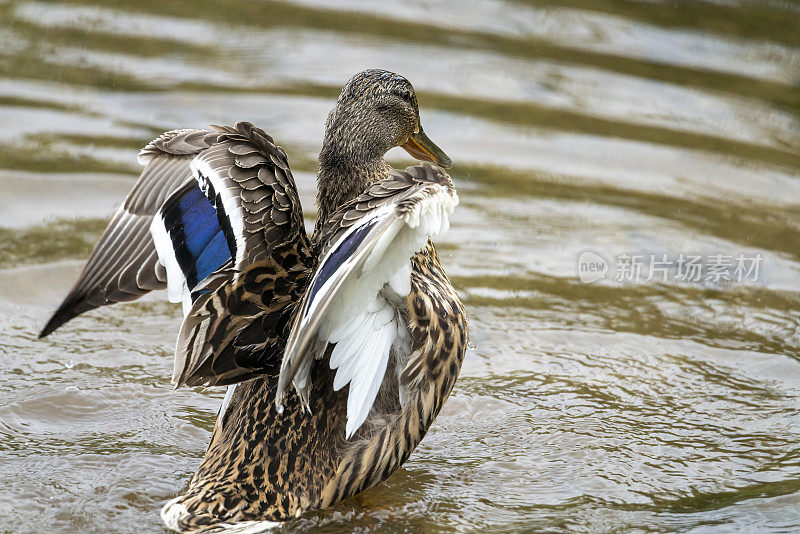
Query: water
pixel 640 401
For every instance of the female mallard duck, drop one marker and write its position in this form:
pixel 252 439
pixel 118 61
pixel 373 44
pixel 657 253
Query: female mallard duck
pixel 360 319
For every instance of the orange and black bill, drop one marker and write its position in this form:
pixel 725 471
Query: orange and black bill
pixel 422 148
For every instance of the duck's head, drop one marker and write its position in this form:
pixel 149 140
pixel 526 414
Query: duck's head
pixel 376 111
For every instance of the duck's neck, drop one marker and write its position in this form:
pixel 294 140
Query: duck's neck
pixel 342 179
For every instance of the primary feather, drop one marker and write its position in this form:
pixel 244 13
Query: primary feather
pixel 124 264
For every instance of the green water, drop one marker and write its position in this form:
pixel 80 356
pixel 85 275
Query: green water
pixel 649 402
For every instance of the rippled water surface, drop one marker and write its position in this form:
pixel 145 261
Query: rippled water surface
pixel 646 400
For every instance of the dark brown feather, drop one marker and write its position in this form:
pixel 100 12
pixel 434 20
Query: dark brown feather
pixel 238 329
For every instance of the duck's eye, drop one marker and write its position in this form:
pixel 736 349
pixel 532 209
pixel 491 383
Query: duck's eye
pixel 405 95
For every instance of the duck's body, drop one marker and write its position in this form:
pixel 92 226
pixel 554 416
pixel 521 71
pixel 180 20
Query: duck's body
pixel 372 358
pixel 263 466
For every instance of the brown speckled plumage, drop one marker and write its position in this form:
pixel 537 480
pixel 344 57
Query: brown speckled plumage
pixel 237 329
pixel 262 465
pixel 307 462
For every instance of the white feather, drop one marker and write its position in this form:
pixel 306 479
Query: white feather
pixel 356 329
pixel 362 322
pixel 177 288
pixel 380 247
pixel 358 318
pixel 347 329
pixel 441 199
pixel 347 360
pixel 173 512
pixel 400 282
pixel 365 293
pixel 366 366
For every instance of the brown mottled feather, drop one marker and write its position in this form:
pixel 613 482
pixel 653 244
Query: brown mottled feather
pixel 262 466
pixel 237 329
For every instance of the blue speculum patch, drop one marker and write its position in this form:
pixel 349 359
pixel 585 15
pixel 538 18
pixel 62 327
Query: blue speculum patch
pixel 338 256
pixel 200 244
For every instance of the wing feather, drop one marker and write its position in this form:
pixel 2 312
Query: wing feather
pixel 367 244
pixel 238 302
pixel 237 328
pixel 123 265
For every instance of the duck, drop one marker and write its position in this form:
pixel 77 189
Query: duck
pixel 338 349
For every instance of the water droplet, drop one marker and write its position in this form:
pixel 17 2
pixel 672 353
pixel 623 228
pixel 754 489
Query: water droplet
pixel 69 365
pixel 471 346
pixel 71 389
pixel 280 408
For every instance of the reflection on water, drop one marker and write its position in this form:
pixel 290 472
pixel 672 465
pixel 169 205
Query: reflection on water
pixel 621 128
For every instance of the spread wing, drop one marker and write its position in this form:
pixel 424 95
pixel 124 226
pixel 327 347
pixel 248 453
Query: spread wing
pixel 124 265
pixel 215 219
pixel 238 312
pixel 365 265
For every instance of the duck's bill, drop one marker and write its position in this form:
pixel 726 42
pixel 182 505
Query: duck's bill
pixel 422 148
